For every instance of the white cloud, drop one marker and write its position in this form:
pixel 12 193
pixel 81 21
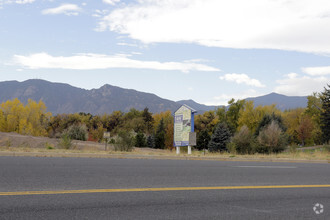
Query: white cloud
pixel 300 25
pixel 111 2
pixel 295 85
pixel 67 9
pixel 21 2
pixel 127 44
pixel 17 1
pixel 101 61
pixel 241 78
pixel 224 98
pixel 317 71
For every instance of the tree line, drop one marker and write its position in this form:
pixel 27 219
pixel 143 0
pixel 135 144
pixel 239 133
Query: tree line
pixel 240 127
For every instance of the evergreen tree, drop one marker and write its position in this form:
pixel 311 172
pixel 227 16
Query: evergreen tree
pixel 148 119
pixel 267 120
pixel 220 138
pixel 151 141
pixel 140 140
pixel 203 140
pixel 325 114
pixel 160 135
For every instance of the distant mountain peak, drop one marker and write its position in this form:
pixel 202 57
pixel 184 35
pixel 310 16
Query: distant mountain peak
pixel 282 102
pixel 64 98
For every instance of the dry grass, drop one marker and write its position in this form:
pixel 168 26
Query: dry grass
pixel 11 142
pixel 317 154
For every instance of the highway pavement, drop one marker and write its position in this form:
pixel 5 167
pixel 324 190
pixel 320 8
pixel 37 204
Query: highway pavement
pixel 93 188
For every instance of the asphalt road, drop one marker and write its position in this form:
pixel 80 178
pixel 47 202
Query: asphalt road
pixel 21 174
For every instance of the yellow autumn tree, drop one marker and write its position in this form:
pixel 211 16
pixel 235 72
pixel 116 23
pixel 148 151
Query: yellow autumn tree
pixel 207 121
pixel 31 119
pixel 12 114
pixel 251 116
pixel 291 119
pixel 2 121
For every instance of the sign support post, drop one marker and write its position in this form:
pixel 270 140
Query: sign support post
pixel 106 136
pixel 177 150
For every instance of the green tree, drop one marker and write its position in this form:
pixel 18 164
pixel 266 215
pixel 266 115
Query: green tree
pixel 325 114
pixel 233 113
pixel 219 138
pixel 160 135
pixel 207 121
pixel 203 139
pixel 113 121
pixel 148 119
pixel 151 141
pixel 168 122
pixel 314 109
pixel 267 120
pixel 140 140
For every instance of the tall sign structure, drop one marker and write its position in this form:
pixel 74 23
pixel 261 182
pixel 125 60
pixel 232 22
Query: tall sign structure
pixel 184 128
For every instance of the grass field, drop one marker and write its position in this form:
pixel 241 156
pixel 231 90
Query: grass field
pixel 11 142
pixel 309 154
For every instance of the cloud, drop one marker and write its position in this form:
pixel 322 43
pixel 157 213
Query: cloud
pixel 224 98
pixel 21 2
pixel 101 61
pixel 299 25
pixel 241 78
pixel 67 9
pixel 111 2
pixel 317 71
pixel 294 85
pixel 17 1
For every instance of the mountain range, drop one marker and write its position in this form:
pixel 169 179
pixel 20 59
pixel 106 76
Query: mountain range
pixel 64 98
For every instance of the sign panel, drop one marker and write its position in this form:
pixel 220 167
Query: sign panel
pixel 106 135
pixel 182 126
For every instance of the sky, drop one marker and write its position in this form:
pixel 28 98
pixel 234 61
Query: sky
pixel 206 50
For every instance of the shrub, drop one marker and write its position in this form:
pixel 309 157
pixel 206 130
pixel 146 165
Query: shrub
pixel 243 140
pixel 327 148
pixel 65 142
pixel 293 148
pixel 49 146
pixel 125 141
pixel 271 139
pixel 232 148
pixel 77 132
